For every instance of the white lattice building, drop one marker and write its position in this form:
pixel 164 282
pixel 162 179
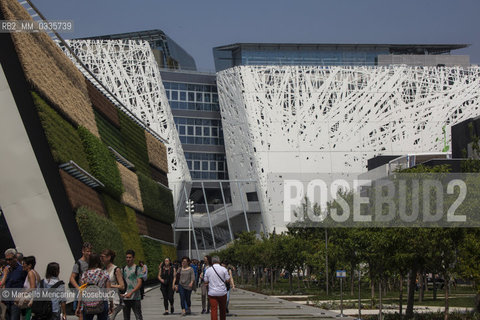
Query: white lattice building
pixel 300 121
pixel 128 69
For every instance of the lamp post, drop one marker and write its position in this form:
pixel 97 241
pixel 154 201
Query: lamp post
pixel 189 208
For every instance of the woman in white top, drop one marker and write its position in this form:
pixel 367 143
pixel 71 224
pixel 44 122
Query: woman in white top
pixel 32 281
pixel 116 279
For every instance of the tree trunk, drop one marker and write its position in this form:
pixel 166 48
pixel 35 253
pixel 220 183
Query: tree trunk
pixel 411 293
pixel 290 279
pixel 351 281
pixel 434 287
pixel 380 299
pixel 298 280
pixel 271 278
pixel 400 298
pixel 447 286
pixel 421 291
pixel 372 287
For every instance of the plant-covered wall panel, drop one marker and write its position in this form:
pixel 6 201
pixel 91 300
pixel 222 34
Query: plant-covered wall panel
pixel 102 104
pixel 157 152
pixel 49 70
pixel 102 163
pixel 131 196
pixel 159 176
pixel 124 219
pixel 63 138
pixel 153 228
pixel 110 134
pixel 169 252
pixel 135 144
pixel 153 256
pixel 81 195
pixel 157 201
pixel 101 232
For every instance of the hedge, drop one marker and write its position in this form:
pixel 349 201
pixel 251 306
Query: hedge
pixel 157 200
pixel 100 232
pixel 135 144
pixel 110 134
pixel 155 253
pixel 153 256
pixel 64 141
pixel 170 252
pixel 102 163
pixel 125 220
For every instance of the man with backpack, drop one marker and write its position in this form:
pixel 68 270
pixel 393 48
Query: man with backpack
pixel 132 275
pixel 80 266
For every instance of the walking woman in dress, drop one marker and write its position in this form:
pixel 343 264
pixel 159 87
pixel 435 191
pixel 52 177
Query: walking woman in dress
pixel 166 275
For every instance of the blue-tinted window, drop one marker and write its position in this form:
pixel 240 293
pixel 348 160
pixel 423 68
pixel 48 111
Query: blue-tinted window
pixel 181 130
pixel 183 96
pixel 190 130
pixel 174 95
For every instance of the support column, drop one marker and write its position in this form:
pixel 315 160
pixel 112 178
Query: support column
pixel 226 212
pixel 208 214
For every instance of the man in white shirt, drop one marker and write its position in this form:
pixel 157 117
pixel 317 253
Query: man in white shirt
pixel 215 277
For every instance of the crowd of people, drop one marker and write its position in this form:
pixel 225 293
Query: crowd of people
pixel 93 270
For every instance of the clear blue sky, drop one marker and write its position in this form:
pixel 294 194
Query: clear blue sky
pixel 198 26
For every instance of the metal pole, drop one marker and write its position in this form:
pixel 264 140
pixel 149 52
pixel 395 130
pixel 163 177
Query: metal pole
pixel 341 297
pixel 194 235
pixel 208 214
pixel 226 212
pixel 189 229
pixel 203 240
pixel 243 205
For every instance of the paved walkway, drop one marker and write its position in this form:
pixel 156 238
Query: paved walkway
pixel 243 304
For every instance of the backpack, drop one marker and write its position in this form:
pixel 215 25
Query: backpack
pixel 123 278
pixel 43 308
pixel 93 305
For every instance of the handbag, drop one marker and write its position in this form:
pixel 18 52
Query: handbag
pixel 23 300
pixel 227 283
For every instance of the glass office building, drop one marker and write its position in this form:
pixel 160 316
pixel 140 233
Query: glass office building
pixel 318 54
pixel 193 99
pixel 167 52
